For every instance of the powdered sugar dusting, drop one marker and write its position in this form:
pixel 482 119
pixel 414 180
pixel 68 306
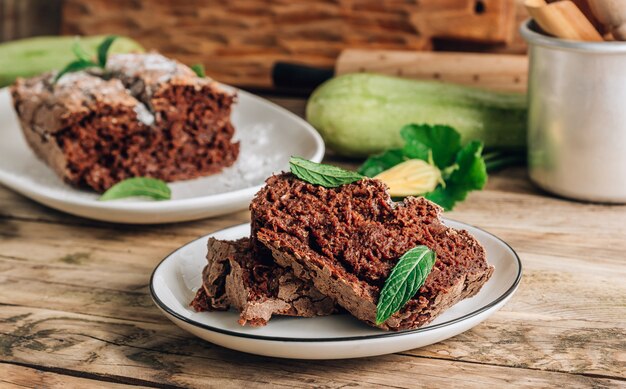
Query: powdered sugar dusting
pixel 144 115
pixel 150 65
pixel 143 62
pixel 256 162
pixel 86 83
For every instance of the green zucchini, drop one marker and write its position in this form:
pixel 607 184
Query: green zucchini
pixel 361 114
pixel 32 56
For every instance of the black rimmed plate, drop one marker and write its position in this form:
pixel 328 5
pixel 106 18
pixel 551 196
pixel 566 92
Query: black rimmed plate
pixel 176 279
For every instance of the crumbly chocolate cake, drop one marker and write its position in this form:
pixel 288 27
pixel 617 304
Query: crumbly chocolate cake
pixel 346 240
pixel 255 286
pixel 145 115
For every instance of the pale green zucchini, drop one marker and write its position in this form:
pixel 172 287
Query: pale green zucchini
pixel 361 114
pixel 32 56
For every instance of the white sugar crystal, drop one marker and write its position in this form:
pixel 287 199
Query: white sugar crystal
pixel 134 63
pixel 144 115
pixel 256 162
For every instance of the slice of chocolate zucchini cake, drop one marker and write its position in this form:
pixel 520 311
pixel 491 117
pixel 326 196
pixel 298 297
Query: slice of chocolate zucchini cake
pixel 346 240
pixel 255 286
pixel 144 115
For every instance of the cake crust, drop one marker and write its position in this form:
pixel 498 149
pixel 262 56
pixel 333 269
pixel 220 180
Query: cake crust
pixel 347 240
pixel 256 287
pixel 146 115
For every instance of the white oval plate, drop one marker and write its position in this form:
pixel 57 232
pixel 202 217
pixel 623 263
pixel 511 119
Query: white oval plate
pixel 176 279
pixel 269 135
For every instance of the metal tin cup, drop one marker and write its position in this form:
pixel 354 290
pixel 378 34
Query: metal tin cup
pixel 577 117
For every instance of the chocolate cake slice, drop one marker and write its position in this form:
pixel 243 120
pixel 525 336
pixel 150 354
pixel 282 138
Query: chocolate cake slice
pixel 346 240
pixel 255 286
pixel 144 115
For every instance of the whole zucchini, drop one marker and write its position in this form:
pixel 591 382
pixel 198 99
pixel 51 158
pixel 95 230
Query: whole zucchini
pixel 361 114
pixel 33 56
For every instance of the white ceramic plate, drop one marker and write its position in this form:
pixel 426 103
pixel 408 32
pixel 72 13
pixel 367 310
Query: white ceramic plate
pixel 269 135
pixel 176 279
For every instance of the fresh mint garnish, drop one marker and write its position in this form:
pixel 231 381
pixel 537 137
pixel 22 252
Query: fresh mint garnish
pixel 462 168
pixel 84 61
pixel 327 176
pixel 198 69
pixel 74 66
pixel 407 276
pixel 103 50
pixel 138 187
pixel 81 53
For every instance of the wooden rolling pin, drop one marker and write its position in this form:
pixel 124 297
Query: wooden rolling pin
pixel 504 72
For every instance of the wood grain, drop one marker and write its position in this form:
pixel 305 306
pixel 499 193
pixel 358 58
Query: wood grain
pixel 578 310
pixel 553 334
pixel 162 353
pixel 563 19
pixel 504 72
pixel 74 304
pixel 15 376
pixel 239 41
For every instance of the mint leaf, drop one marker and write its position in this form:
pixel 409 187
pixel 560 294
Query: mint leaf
pixel 84 61
pixel 74 66
pixel 103 49
pixel 444 142
pixel 198 69
pixel 319 174
pixel 381 162
pixel 407 276
pixel 80 53
pixel 138 186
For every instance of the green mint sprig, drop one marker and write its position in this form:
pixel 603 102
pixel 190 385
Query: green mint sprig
pixel 462 167
pixel 198 68
pixel 327 176
pixel 84 60
pixel 138 187
pixel 406 278
pixel 103 50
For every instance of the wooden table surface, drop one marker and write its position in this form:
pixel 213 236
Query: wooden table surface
pixel 75 308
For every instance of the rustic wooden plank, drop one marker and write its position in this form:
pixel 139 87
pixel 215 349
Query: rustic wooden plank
pixel 521 220
pixel 509 202
pixel 525 225
pixel 546 341
pixel 570 289
pixel 161 353
pixel 86 282
pixel 539 341
pixel 487 71
pixel 16 207
pixel 14 376
pixel 77 244
pixel 114 293
pixel 587 301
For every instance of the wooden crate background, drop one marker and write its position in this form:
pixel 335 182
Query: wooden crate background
pixel 25 18
pixel 238 41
